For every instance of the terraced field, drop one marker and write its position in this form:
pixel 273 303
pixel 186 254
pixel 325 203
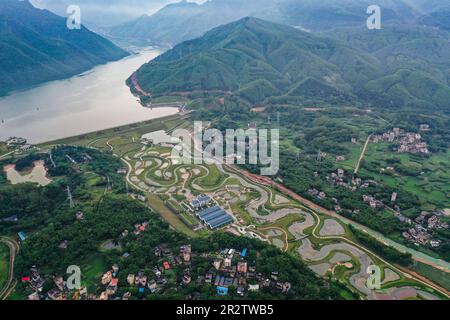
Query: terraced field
pixel 259 211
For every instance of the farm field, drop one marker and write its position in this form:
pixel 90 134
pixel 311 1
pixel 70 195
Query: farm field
pixel 428 178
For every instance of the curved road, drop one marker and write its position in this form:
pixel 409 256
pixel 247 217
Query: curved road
pixel 10 283
pixel 243 175
pixel 417 255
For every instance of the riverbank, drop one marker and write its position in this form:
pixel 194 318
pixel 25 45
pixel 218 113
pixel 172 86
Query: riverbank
pixel 98 99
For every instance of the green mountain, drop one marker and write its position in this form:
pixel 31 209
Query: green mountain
pixel 159 28
pixel 439 18
pixel 187 20
pixel 262 60
pixel 36 46
pixel 415 60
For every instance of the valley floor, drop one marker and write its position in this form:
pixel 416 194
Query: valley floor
pixel 259 209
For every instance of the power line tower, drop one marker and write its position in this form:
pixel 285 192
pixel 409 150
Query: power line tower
pixel 70 198
pixel 51 159
pixel 319 156
pixel 108 186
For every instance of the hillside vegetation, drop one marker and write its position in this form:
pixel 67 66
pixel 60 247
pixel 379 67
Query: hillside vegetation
pixel 258 60
pixel 36 46
pixel 185 20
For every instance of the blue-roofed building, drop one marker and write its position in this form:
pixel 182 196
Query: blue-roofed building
pixel 201 201
pixel 141 290
pixel 222 291
pixel 22 236
pixel 205 212
pixel 221 221
pixel 214 215
pixel 244 252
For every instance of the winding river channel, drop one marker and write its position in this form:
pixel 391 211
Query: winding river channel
pixel 95 100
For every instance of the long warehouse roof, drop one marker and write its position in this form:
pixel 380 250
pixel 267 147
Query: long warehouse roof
pixel 214 215
pixel 203 213
pixel 220 221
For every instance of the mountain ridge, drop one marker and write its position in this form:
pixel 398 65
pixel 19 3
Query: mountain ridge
pixel 166 27
pixel 261 59
pixel 36 46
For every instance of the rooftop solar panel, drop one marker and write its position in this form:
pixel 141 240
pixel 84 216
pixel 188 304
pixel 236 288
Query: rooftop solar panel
pixel 220 221
pixel 208 211
pixel 213 216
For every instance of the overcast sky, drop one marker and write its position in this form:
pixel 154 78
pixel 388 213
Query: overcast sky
pixel 107 12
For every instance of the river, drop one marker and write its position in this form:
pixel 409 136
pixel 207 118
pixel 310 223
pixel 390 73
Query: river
pixel 95 100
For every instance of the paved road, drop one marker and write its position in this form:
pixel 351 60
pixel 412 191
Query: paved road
pixel 7 154
pixel 10 283
pixel 362 154
pixel 417 255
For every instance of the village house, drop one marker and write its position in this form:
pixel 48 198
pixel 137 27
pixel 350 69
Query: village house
pixel 140 279
pixel 130 279
pixel 242 267
pixel 106 278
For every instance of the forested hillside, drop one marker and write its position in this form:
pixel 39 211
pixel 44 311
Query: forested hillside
pixel 36 46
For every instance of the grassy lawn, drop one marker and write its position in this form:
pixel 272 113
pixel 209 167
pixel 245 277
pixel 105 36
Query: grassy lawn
pixel 430 184
pixel 92 272
pixel 169 99
pixel 3 148
pixel 158 206
pixel 433 274
pixel 213 179
pixel 136 130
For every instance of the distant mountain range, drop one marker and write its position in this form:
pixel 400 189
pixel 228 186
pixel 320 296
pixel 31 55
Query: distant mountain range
pixel 263 60
pixel 36 46
pixel 104 13
pixel 185 20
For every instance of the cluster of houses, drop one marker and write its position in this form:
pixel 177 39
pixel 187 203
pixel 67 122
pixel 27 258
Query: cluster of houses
pixel 230 268
pixel 422 231
pixel 372 202
pixel 317 194
pixel 154 283
pixel 14 142
pixel 60 291
pixel 408 142
pixel 36 283
pixel 111 283
pixel 18 143
pixel 339 179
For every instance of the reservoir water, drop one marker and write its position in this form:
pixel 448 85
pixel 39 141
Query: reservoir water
pixel 95 100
